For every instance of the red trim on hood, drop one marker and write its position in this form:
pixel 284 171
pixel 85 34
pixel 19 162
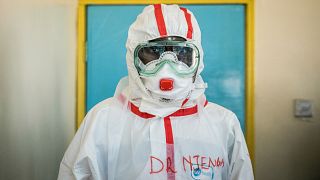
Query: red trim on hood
pixel 180 112
pixel 160 21
pixel 188 19
pixel 185 112
pixel 137 112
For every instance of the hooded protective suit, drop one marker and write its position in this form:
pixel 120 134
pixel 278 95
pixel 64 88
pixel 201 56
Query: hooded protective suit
pixel 133 136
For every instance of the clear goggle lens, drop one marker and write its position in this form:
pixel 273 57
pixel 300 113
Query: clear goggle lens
pixel 183 57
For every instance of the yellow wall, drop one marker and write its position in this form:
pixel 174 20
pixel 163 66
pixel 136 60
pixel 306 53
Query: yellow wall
pixel 287 67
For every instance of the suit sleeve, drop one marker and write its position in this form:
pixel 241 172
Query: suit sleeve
pixel 81 161
pixel 239 159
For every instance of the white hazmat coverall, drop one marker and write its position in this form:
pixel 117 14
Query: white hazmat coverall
pixel 133 136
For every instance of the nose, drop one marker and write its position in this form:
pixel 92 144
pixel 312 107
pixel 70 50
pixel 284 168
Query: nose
pixel 166 84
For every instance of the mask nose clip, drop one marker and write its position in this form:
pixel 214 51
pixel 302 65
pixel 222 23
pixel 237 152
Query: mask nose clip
pixel 166 84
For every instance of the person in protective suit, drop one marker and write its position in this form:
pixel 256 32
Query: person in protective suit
pixel 159 124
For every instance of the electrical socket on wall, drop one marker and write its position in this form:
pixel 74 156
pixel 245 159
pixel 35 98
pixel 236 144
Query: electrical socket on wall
pixel 303 108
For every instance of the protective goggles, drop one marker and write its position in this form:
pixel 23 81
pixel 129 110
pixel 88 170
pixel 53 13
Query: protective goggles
pixel 182 56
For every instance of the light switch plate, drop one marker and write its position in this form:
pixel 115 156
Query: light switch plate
pixel 303 108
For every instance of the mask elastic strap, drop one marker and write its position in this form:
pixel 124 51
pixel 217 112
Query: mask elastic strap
pixel 184 102
pixel 201 86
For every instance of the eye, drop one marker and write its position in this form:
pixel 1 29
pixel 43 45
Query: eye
pixel 151 50
pixel 154 49
pixel 181 51
pixel 184 55
pixel 148 54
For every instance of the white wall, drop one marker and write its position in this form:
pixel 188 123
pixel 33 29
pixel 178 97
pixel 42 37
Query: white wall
pixel 37 86
pixel 287 67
